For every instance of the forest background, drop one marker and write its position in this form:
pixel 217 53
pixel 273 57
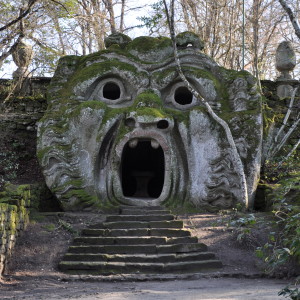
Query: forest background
pixel 77 27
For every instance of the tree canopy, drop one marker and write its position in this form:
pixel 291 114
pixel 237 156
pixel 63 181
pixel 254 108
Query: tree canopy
pixel 74 27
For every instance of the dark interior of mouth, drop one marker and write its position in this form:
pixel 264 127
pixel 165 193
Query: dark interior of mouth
pixel 142 170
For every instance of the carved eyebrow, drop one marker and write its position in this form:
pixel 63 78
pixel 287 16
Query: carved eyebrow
pixel 164 76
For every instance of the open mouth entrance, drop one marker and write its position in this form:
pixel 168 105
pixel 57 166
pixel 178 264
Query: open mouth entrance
pixel 142 169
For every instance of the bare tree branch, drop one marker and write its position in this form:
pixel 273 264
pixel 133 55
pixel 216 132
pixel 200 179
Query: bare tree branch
pixel 291 16
pixel 61 4
pixel 21 16
pixel 289 154
pixel 236 156
pixel 287 115
pixel 285 138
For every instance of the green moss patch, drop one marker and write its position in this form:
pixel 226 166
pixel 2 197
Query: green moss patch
pixel 146 44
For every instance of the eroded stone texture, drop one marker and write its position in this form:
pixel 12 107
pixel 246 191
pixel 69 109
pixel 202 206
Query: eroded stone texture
pixel 22 57
pixel 285 59
pixel 285 63
pixel 121 128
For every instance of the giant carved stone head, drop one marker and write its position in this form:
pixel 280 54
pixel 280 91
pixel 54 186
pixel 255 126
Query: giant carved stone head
pixel 122 128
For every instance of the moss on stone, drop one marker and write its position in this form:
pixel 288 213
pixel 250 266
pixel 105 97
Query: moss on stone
pixel 183 39
pixel 148 98
pixel 245 116
pixel 117 39
pixel 42 152
pixel 95 70
pixel 83 198
pixel 144 44
pixel 230 75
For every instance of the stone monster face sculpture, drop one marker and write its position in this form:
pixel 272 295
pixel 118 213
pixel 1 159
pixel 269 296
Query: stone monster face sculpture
pixel 122 128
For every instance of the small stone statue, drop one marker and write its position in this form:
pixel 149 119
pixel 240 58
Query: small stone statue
pixel 285 60
pixel 285 63
pixel 22 57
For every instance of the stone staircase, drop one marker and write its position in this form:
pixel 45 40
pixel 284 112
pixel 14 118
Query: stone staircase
pixel 140 240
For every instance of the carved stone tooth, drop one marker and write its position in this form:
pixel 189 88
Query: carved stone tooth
pixel 133 143
pixel 154 144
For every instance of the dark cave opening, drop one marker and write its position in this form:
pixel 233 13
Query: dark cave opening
pixel 142 170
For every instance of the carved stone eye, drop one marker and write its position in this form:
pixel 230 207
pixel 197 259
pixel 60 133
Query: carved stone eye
pixel 111 91
pixel 183 96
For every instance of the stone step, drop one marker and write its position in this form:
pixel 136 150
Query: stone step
pixel 141 258
pixel 135 224
pixel 130 211
pixel 143 208
pixel 107 268
pixel 129 240
pixel 138 249
pixel 143 218
pixel 136 232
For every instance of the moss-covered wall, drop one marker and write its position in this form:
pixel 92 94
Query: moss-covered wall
pixel 14 216
pixel 18 205
pixel 19 113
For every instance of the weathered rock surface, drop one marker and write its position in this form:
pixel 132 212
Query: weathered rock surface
pixel 122 128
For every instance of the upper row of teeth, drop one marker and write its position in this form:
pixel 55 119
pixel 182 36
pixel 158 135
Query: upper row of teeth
pixel 133 143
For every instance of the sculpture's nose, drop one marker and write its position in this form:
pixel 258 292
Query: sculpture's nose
pixel 146 122
pixel 149 113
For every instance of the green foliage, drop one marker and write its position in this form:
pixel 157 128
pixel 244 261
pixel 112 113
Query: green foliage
pixel 293 294
pixel 9 166
pixel 49 227
pixel 68 227
pixel 273 171
pixel 246 221
pixel 283 245
pixel 45 61
pixel 158 16
pixel 241 225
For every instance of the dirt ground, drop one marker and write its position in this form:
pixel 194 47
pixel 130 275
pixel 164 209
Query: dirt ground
pixel 177 289
pixel 32 272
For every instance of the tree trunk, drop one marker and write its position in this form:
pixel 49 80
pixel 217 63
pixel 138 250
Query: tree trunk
pixel 237 160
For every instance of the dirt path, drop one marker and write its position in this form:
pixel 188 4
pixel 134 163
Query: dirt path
pixel 203 288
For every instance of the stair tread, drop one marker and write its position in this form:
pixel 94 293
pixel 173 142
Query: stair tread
pixel 138 218
pixel 138 224
pixel 132 240
pixel 126 212
pixel 141 248
pixel 133 263
pixel 152 207
pixel 160 257
pixel 172 232
pixel 179 255
pixel 139 245
pixel 124 267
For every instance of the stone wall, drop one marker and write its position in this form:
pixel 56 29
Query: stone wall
pixel 14 216
pixel 19 114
